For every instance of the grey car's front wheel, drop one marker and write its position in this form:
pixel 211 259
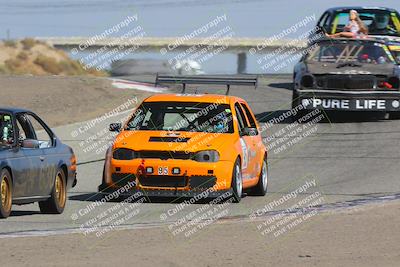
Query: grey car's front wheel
pixel 5 194
pixel 56 203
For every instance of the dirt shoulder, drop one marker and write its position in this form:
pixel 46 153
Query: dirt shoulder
pixel 62 100
pixel 366 236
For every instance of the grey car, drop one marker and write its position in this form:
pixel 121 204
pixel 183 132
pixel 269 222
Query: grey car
pixel 35 166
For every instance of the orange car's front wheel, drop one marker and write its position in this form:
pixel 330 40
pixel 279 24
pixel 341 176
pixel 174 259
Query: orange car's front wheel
pixel 262 186
pixel 237 183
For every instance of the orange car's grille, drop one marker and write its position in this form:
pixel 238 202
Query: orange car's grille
pixel 163 181
pixel 121 179
pixel 164 155
pixel 199 182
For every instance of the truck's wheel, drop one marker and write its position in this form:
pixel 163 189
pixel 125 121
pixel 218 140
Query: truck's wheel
pixel 237 183
pixel 295 99
pixel 5 194
pixel 295 105
pixel 56 203
pixel 394 115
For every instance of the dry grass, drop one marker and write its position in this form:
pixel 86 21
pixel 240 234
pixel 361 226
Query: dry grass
pixel 28 43
pixel 23 56
pixel 30 56
pixel 10 43
pixel 48 64
pixel 13 64
pixel 3 69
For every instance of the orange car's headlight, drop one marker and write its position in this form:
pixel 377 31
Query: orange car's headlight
pixel 124 154
pixel 207 156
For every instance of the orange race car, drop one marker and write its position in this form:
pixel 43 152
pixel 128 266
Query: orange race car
pixel 187 144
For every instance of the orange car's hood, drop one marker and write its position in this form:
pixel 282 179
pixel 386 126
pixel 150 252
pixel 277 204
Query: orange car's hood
pixel 175 141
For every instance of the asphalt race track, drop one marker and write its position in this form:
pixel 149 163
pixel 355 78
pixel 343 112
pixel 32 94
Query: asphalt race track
pixel 353 158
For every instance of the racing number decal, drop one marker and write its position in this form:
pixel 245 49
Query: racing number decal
pixel 162 170
pixel 245 151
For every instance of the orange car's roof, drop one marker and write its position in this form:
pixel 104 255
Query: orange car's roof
pixel 206 98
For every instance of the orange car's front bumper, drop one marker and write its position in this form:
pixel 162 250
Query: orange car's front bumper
pixel 193 175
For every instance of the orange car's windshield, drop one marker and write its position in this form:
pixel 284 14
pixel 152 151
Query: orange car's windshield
pixel 182 116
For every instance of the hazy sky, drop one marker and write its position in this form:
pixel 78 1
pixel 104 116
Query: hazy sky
pixel 159 17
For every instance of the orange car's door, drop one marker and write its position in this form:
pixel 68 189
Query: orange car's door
pixel 246 144
pixel 256 140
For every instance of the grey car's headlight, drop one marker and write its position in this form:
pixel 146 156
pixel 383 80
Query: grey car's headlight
pixel 124 154
pixel 207 156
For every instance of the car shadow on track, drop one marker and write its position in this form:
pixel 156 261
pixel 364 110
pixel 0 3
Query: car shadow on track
pixel 17 213
pixel 287 86
pixel 93 197
pixel 278 117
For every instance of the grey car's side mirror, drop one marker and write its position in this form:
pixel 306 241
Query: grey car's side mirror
pixel 30 143
pixel 115 127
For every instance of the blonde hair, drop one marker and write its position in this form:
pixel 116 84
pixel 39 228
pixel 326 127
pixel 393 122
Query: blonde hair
pixel 361 24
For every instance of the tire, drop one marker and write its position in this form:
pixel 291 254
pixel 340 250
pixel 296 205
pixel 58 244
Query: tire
pixel 295 98
pixel 295 104
pixel 56 203
pixel 5 193
pixel 262 186
pixel 394 115
pixel 237 183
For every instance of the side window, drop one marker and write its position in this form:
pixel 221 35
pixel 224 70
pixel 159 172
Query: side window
pixel 343 19
pixel 322 20
pixel 249 116
pixel 240 117
pixel 327 23
pixel 44 138
pixel 6 129
pixel 24 127
pixel 340 21
pixel 21 131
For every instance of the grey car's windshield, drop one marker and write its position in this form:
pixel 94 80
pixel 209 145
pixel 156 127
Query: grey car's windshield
pixel 355 52
pixel 182 116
